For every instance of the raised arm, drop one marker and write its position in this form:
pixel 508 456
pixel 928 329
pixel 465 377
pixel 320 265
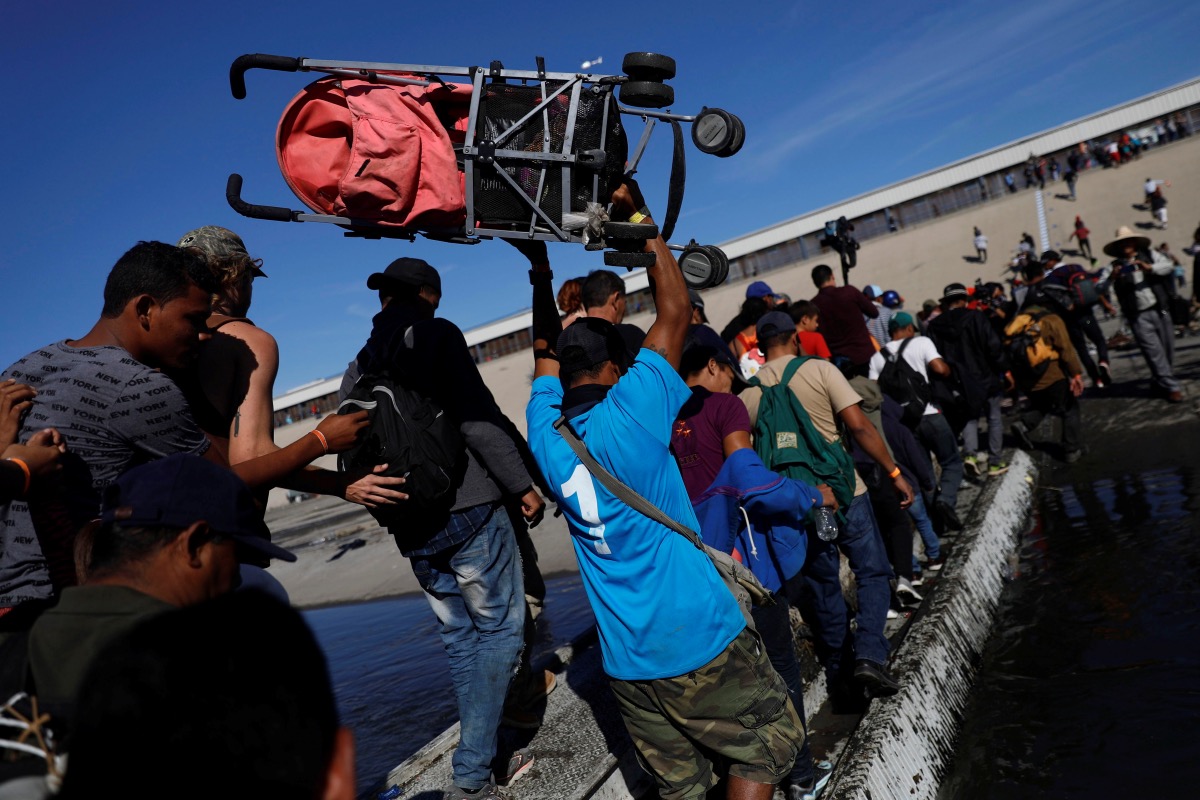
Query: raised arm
pixel 871 442
pixel 666 336
pixel 546 323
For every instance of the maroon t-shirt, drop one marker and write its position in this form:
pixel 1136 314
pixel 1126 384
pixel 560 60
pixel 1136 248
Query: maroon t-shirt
pixel 697 440
pixel 842 310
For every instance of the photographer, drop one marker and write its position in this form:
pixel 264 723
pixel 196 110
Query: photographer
pixel 1138 276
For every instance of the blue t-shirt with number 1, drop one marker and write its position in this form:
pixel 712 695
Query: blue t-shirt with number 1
pixel 661 608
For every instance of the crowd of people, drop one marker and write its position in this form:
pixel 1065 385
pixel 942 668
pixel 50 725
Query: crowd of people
pixel 136 460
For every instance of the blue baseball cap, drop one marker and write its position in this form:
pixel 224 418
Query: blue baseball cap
pixel 180 490
pixel 759 289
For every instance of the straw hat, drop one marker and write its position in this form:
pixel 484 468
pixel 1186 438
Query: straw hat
pixel 1116 249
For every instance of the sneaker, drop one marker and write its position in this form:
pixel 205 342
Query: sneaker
pixel 875 678
pixel 934 564
pixel 1021 434
pixel 918 579
pixel 893 614
pixel 518 764
pixel 1104 373
pixel 949 516
pixel 824 770
pixel 907 594
pixel 490 791
pixel 998 468
pixel 971 464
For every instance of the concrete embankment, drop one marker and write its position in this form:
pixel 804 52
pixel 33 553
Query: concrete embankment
pixel 904 742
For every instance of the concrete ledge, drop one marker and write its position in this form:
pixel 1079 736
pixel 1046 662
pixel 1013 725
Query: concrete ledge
pixel 903 744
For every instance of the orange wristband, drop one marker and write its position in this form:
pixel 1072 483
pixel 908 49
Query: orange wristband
pixel 321 438
pixel 25 469
pixel 894 473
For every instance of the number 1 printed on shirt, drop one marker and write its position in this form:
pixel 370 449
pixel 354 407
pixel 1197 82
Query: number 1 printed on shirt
pixel 580 485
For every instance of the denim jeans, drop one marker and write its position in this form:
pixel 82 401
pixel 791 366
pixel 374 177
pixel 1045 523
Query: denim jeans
pixel 920 518
pixel 774 625
pixel 861 542
pixel 477 593
pixel 934 432
pixel 970 434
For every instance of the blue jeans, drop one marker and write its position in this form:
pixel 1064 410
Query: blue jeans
pixel 934 432
pixel 970 433
pixel 478 595
pixel 920 518
pixel 862 543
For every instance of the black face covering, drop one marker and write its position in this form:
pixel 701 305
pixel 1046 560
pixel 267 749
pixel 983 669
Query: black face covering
pixel 579 399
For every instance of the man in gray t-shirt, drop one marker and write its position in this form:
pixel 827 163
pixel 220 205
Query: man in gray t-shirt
pixel 115 413
pixel 105 395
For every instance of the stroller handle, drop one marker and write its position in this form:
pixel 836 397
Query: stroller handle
pixel 233 193
pixel 237 71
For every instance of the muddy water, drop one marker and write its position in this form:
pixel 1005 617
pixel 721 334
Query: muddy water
pixel 391 676
pixel 1090 686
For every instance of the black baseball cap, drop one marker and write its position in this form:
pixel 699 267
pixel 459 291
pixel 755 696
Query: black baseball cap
pixel 182 489
pixel 412 271
pixel 774 323
pixel 703 343
pixel 1051 255
pixel 589 341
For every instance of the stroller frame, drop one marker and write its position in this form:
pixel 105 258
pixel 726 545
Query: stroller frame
pixel 474 154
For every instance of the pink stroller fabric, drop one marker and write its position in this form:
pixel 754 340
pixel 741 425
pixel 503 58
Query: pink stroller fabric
pixel 377 152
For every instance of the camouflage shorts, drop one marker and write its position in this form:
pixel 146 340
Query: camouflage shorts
pixel 735 707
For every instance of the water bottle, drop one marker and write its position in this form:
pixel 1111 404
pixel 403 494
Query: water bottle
pixel 826 521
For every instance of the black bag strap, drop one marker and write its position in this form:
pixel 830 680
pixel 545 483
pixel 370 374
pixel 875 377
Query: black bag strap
pixel 678 179
pixel 620 490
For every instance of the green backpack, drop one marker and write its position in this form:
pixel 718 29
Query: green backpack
pixel 788 443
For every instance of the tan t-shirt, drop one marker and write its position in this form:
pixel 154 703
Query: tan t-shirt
pixel 821 389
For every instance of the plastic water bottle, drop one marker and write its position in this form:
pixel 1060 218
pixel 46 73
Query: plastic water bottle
pixel 826 521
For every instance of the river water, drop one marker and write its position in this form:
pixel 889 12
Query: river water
pixel 392 678
pixel 1090 685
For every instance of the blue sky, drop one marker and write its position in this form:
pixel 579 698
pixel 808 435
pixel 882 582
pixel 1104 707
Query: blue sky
pixel 120 127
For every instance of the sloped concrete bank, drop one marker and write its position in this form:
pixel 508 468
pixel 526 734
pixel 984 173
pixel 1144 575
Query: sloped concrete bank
pixel 904 743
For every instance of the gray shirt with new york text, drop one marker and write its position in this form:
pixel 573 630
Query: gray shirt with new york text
pixel 114 413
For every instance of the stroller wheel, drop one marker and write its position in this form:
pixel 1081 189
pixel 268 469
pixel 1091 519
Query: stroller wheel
pixel 715 130
pixel 648 66
pixel 739 138
pixel 722 265
pixel 629 230
pixel 647 94
pixel 700 266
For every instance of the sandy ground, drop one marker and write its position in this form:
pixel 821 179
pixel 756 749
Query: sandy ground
pixel 346 557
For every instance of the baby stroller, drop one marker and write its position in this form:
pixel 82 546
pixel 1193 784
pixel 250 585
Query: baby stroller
pixel 397 150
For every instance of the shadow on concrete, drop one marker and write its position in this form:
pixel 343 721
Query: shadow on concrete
pixel 973 259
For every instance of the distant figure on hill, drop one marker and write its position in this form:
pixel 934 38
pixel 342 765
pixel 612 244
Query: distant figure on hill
pixel 1081 233
pixel 981 246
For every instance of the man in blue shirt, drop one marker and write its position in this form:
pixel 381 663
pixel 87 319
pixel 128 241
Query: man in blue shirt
pixel 690 678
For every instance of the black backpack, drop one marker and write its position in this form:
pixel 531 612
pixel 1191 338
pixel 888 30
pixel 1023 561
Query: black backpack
pixel 414 437
pixel 899 381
